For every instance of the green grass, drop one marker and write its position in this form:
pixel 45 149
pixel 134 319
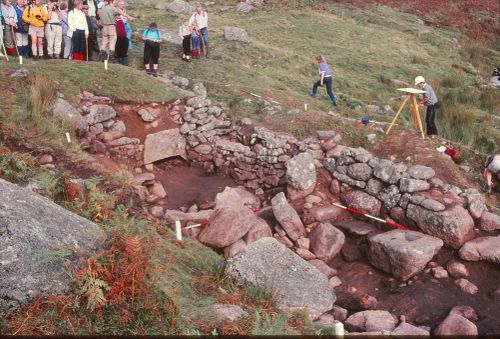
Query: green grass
pixel 365 49
pixel 185 278
pixel 70 78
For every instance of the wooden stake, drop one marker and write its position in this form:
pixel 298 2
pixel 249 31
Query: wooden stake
pixel 417 115
pixel 5 52
pixel 14 39
pixel 397 114
pixel 87 48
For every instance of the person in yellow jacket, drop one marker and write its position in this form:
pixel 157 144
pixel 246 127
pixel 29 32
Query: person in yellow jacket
pixel 36 16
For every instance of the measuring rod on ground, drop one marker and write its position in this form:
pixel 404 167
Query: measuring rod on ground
pixel 388 222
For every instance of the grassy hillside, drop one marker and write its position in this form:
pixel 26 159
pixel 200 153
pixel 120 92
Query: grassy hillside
pixel 143 281
pixel 179 281
pixel 366 49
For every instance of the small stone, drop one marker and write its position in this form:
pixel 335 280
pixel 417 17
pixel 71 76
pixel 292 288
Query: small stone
pixel 334 282
pixel 421 172
pixel 466 286
pixel 465 311
pixel 228 312
pixel 303 243
pixel 339 313
pixel 439 272
pixel 413 185
pixel 457 269
pixel 433 205
pixel 158 190
pixel 305 254
pixel 45 159
pixel 146 115
pixel 456 325
pixel 323 267
pixel 157 211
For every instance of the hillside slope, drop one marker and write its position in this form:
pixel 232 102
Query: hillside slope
pixel 366 47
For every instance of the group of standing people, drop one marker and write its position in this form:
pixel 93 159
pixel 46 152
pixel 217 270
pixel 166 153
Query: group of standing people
pixel 77 29
pixel 72 30
pixel 194 34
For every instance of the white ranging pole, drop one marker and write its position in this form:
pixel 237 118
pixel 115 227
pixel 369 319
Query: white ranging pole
pixel 339 329
pixel 388 222
pixel 178 229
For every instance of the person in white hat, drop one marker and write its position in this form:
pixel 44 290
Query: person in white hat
pixel 431 101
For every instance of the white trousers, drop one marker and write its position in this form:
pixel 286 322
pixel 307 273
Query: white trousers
pixel 67 46
pixel 53 33
pixel 22 39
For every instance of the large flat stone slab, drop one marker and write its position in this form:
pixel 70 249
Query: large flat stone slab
pixel 163 145
pixel 402 253
pixel 295 283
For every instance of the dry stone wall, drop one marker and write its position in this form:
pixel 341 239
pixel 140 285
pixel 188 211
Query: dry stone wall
pixel 260 159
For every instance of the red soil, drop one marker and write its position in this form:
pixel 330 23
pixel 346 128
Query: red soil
pixel 427 301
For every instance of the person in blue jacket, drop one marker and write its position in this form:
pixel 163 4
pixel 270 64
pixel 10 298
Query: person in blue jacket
pixel 325 79
pixel 152 40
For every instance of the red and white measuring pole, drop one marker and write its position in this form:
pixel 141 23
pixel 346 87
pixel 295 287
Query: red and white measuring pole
pixel 388 222
pixel 263 97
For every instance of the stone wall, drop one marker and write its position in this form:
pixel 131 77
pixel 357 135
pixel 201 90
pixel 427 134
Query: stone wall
pixel 258 159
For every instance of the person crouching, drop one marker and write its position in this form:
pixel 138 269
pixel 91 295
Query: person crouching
pixel 78 30
pixel 152 41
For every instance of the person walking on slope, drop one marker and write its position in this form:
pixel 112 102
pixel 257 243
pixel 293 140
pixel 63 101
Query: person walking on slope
pixel 9 15
pixel 491 167
pixel 200 18
pixel 431 101
pixel 22 29
pixel 325 79
pixel 36 16
pixel 78 30
pixel 152 41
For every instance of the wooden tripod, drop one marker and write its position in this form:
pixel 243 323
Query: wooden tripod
pixel 412 96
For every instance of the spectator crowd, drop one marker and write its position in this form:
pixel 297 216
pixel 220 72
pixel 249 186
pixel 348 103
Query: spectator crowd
pixel 89 30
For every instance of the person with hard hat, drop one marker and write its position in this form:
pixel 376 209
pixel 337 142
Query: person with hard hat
pixel 431 101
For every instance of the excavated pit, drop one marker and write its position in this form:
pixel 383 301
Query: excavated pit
pixel 424 300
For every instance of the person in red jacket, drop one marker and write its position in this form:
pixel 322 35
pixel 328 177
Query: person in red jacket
pixel 121 47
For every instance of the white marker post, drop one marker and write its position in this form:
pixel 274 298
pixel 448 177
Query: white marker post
pixel 339 329
pixel 20 60
pixel 68 138
pixel 106 65
pixel 178 231
pixel 305 107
